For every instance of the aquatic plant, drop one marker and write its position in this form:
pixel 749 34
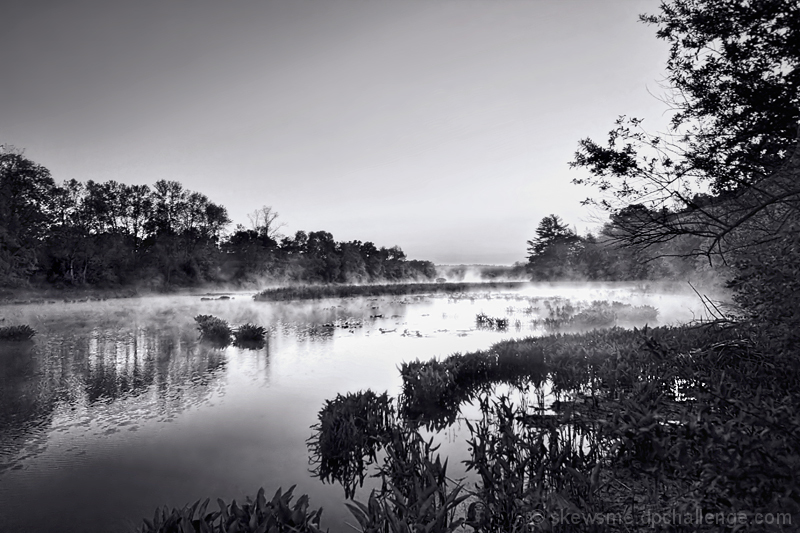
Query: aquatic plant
pixel 17 333
pixel 351 430
pixel 250 336
pixel 529 468
pixel 254 516
pixel 213 330
pixel 430 395
pixel 598 314
pixel 433 391
pixel 415 494
pixel 488 322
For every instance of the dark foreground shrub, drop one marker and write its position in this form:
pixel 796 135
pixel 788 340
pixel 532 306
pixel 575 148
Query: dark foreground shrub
pixel 17 333
pixel 276 515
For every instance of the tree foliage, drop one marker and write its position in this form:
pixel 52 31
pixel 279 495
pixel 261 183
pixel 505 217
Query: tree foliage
pixel 550 254
pixel 113 234
pixel 25 202
pixel 733 82
pixel 557 253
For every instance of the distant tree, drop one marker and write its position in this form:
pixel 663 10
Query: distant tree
pixel 420 270
pixel 394 263
pixel 374 259
pixel 137 203
pixel 66 203
pixel 551 231
pixel 103 207
pixel 353 266
pixel 169 201
pixel 324 262
pixel 551 254
pixel 264 221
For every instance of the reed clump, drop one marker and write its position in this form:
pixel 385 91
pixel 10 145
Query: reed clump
pixel 434 391
pixel 213 330
pixel 253 516
pixel 597 315
pixel 17 333
pixel 484 321
pixel 315 292
pixel 250 336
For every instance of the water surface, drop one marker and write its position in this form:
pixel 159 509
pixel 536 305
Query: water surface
pixel 116 407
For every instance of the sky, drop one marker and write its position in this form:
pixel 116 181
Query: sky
pixel 440 126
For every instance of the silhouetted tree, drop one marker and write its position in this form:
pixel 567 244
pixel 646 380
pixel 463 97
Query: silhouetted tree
pixel 264 221
pixel 26 192
pixel 734 77
pixel 551 253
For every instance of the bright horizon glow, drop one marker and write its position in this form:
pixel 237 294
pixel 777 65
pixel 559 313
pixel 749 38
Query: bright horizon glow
pixel 442 127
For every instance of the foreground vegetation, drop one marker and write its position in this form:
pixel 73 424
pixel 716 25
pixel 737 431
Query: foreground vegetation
pixel 218 333
pixel 670 428
pixel 645 428
pixel 260 514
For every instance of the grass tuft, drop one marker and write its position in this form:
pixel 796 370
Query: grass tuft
pixel 213 330
pixel 250 336
pixel 17 333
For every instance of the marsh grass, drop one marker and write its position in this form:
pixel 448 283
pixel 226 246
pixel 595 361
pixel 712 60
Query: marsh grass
pixel 250 336
pixel 350 431
pixel 434 391
pixel 644 422
pixel 596 315
pixel 17 333
pixel 213 330
pixel 416 494
pixel 315 292
pixel 484 321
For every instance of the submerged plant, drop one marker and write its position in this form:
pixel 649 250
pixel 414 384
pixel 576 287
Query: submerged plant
pixel 250 336
pixel 213 330
pixel 17 333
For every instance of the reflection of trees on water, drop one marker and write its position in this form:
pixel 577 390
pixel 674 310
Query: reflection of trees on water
pixel 26 406
pixel 130 363
pixel 106 375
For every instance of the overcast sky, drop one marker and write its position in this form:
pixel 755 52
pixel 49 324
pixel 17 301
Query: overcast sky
pixel 441 126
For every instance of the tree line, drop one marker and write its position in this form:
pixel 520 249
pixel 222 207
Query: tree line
pixel 112 234
pixel 557 252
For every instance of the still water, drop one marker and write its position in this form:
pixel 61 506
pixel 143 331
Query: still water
pixel 116 407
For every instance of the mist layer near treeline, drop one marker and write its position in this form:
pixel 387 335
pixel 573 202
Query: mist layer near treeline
pixel 112 235
pixel 165 237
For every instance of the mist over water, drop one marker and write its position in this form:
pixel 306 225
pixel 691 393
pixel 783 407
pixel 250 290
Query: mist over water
pixel 116 407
